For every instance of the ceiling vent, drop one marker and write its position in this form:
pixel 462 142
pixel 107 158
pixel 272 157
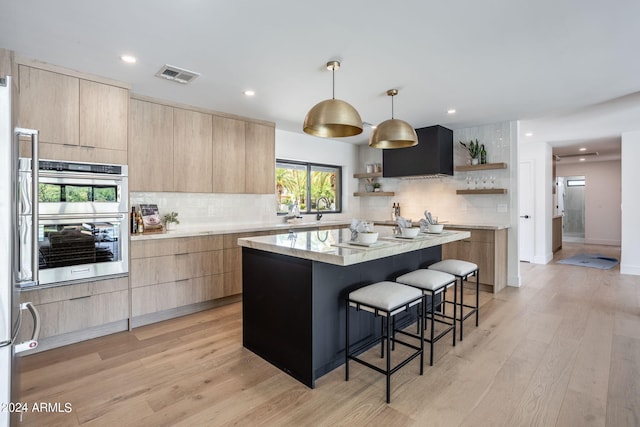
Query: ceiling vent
pixel 571 156
pixel 176 74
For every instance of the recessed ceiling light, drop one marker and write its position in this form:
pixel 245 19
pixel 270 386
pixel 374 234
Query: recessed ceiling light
pixel 128 59
pixel 528 134
pixel 372 126
pixel 582 159
pixel 451 111
pixel 583 149
pixel 249 92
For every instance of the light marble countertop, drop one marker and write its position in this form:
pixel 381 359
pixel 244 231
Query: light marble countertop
pixel 213 229
pixel 332 246
pixel 452 225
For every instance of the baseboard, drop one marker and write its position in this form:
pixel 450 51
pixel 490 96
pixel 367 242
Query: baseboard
pixel 77 336
pixel 159 316
pixel 633 270
pixel 546 259
pixel 514 281
pixel 605 242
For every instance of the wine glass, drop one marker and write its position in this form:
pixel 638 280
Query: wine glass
pixel 492 178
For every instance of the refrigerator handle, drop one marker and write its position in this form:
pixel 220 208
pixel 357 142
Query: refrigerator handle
pixel 35 249
pixel 33 341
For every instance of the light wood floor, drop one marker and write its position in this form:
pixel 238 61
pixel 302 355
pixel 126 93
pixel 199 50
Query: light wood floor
pixel 562 350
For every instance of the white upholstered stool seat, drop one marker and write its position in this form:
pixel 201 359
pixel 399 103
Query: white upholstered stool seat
pixel 462 270
pixel 387 297
pixel 432 283
pixel 430 280
pixel 384 300
pixel 454 266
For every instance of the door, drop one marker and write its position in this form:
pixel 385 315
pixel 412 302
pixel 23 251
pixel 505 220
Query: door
pixel 526 225
pixel 574 212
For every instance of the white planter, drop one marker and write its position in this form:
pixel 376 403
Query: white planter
pixel 170 226
pixel 474 161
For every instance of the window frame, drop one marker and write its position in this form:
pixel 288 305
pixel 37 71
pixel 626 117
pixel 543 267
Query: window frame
pixel 309 166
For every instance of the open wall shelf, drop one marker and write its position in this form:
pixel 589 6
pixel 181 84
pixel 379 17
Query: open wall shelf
pixel 486 166
pixel 483 191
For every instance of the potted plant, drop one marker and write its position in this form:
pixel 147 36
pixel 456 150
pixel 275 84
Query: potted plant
pixel 474 150
pixel 170 220
pixel 376 186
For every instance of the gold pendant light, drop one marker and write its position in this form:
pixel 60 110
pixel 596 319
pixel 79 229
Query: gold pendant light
pixel 393 133
pixel 333 118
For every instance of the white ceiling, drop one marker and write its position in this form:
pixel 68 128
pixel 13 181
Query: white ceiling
pixel 568 69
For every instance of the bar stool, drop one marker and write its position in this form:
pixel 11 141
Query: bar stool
pixel 384 299
pixel 462 270
pixel 432 283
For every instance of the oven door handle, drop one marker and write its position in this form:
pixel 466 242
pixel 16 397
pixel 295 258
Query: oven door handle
pixel 118 216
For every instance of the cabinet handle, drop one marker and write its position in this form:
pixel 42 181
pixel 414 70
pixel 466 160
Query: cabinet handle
pixel 181 280
pixel 182 253
pixel 76 298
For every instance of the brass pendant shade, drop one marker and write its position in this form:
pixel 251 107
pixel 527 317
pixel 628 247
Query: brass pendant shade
pixel 333 118
pixel 393 133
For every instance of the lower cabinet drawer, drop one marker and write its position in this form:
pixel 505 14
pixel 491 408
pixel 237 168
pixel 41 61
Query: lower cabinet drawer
pixel 164 296
pixel 78 313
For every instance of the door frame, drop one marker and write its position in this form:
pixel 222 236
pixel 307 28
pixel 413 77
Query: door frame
pixel 530 194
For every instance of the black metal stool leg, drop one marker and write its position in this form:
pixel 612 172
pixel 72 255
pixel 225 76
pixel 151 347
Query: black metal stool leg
pixel 346 347
pixel 477 296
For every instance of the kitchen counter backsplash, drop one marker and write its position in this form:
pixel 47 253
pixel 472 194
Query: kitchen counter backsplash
pixel 438 195
pixel 202 211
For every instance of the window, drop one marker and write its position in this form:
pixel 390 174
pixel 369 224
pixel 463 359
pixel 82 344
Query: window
pixel 314 187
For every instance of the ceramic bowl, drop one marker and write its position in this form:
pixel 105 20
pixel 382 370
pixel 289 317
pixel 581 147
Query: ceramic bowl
pixel 367 238
pixel 435 228
pixel 410 232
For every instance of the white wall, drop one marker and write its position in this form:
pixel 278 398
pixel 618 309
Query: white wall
pixel 540 154
pixel 198 209
pixel 302 147
pixel 603 196
pixel 630 241
pixel 438 195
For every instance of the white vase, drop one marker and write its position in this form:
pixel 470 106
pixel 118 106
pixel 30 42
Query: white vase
pixel 170 226
pixel 474 161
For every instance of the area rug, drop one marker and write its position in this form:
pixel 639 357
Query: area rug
pixel 591 260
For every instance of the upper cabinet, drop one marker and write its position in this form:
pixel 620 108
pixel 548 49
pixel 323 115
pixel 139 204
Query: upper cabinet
pixel 228 155
pixel 192 167
pixel 151 147
pixel 205 153
pixel 260 159
pixel 50 102
pixel 78 119
pixel 104 112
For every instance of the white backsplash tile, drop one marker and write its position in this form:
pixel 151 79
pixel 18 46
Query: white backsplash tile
pixel 438 195
pixel 221 209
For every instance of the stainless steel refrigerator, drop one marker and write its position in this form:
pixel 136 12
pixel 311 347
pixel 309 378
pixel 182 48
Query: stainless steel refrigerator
pixel 18 214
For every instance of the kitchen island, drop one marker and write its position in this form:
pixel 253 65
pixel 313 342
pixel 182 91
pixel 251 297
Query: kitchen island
pixel 294 287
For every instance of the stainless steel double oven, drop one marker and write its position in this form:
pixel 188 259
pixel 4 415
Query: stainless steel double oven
pixel 82 220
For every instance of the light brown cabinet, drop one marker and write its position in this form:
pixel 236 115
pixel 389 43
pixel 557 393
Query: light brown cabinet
pixel 487 249
pixel 78 119
pixel 260 159
pixel 50 102
pixel 207 153
pixel 104 114
pixel 169 274
pixel 228 155
pixel 192 151
pixel 76 312
pixel 151 146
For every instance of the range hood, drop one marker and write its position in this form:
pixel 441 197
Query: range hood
pixel 432 157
